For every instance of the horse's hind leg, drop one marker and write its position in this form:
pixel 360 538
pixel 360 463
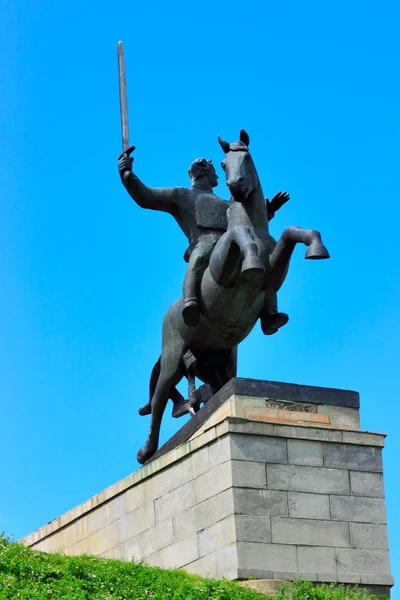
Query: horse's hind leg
pixel 171 372
pixel 174 394
pixel 281 255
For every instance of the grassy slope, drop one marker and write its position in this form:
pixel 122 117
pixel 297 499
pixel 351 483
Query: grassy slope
pixel 25 573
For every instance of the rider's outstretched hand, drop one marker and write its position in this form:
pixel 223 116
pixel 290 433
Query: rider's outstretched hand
pixel 279 200
pixel 275 204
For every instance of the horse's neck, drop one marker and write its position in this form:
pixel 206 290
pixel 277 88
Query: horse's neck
pixel 252 213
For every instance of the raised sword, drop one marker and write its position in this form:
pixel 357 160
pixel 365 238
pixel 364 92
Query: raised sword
pixel 123 102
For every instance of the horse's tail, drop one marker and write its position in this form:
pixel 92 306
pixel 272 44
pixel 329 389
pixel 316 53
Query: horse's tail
pixel 155 374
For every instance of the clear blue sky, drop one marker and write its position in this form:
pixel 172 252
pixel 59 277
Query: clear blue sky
pixel 86 275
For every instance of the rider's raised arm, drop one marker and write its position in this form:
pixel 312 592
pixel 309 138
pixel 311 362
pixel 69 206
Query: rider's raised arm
pixel 165 199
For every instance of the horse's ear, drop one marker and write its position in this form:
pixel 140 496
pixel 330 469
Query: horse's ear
pixel 224 144
pixel 244 137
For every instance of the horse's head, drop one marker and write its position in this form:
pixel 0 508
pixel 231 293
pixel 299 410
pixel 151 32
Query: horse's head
pixel 240 172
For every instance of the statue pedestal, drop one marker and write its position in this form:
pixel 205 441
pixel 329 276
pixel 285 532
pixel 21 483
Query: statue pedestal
pixel 268 481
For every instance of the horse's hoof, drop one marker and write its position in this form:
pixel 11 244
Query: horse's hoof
pixel 144 454
pixel 255 277
pixel 317 251
pixel 180 409
pixel 145 409
pixel 252 263
pixel 253 271
pixel 191 314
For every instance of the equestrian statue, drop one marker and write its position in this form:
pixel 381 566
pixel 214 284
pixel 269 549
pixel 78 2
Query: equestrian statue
pixel 235 269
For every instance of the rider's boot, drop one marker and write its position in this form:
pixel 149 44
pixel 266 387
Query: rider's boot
pixel 271 319
pixel 271 322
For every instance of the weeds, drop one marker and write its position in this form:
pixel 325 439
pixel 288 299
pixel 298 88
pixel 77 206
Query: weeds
pixel 31 575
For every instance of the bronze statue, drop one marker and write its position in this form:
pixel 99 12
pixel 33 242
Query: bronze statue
pixel 232 279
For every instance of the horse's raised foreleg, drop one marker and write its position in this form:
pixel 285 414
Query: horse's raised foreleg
pixel 171 372
pixel 225 260
pixel 236 247
pixel 280 257
pixel 252 264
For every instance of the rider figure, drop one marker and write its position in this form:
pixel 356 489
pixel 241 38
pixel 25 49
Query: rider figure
pixel 201 215
pixel 203 177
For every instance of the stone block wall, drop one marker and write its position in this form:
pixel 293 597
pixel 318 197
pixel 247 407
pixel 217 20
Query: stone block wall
pixel 181 515
pixel 315 507
pixel 245 499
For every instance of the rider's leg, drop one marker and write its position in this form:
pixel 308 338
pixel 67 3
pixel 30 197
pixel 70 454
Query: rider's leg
pixel 271 319
pixel 198 263
pixel 191 284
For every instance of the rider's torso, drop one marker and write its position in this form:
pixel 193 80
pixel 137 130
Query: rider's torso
pixel 199 212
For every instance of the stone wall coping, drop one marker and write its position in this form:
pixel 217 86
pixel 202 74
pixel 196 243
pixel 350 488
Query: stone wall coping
pixel 304 431
pixel 228 425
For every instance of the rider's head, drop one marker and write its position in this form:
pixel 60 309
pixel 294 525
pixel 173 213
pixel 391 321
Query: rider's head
pixel 201 167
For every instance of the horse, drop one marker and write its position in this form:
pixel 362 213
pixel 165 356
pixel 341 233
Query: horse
pixel 245 260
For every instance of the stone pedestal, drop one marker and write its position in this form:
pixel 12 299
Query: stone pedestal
pixel 268 480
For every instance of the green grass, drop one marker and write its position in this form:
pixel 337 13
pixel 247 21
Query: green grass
pixel 29 574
